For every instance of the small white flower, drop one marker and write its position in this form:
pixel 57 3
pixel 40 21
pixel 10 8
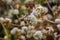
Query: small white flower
pixel 58 26
pixel 45 10
pixel 15 11
pixel 23 37
pixel 49 16
pixel 38 35
pixel 7 19
pixel 30 33
pixel 30 27
pixel 5 38
pixel 24 28
pixel 19 30
pixel 22 31
pixel 57 20
pixel 39 10
pixel 14 30
pixel 22 23
pixel 42 9
pixel 32 19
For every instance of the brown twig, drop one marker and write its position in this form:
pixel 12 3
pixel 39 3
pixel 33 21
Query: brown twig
pixel 49 5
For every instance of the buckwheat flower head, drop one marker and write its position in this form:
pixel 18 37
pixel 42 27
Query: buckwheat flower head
pixel 14 30
pixel 33 19
pixel 49 16
pixel 22 31
pixel 38 35
pixel 30 27
pixel 42 9
pixel 24 28
pixel 30 33
pixel 18 30
pixel 39 10
pixel 8 19
pixel 57 20
pixel 45 10
pixel 58 26
pixel 22 23
pixel 23 37
pixel 15 11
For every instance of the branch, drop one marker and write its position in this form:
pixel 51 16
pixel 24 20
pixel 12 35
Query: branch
pixel 49 5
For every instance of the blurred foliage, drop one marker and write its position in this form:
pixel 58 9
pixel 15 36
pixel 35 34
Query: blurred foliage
pixel 36 1
pixel 39 1
pixel 22 2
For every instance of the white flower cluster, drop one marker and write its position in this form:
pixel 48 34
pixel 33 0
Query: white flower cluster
pixel 42 9
pixel 33 19
pixel 37 24
pixel 39 10
pixel 33 16
pixel 38 35
pixel 5 19
pixel 30 32
pixel 14 30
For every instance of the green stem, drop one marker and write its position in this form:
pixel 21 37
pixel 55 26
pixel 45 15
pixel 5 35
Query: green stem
pixel 5 30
